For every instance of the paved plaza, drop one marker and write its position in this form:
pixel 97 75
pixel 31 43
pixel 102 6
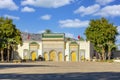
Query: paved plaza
pixel 60 71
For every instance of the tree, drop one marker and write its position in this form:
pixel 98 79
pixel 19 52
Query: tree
pixel 9 30
pixel 103 35
pixel 2 46
pixel 2 39
pixel 9 35
pixel 48 31
pixel 16 40
pixel 110 47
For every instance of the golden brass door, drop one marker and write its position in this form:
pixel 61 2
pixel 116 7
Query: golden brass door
pixel 46 56
pixel 33 56
pixel 52 56
pixel 73 56
pixel 60 56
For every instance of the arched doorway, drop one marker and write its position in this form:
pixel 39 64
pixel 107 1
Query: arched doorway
pixel 26 54
pixel 60 56
pixel 52 56
pixel 34 46
pixel 33 56
pixel 46 56
pixel 73 56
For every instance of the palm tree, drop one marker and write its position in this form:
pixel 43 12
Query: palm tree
pixel 2 46
pixel 111 45
pixel 2 41
pixel 10 36
pixel 14 41
pixel 48 31
pixel 9 30
pixel 17 39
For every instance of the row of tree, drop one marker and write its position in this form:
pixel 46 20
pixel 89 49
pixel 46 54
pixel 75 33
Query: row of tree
pixel 102 34
pixel 10 38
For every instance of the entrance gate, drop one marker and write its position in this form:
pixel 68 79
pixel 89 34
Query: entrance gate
pixel 73 56
pixel 33 56
pixel 46 56
pixel 60 56
pixel 52 56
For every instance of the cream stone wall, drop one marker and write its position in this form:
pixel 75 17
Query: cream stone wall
pixel 59 46
pixel 26 46
pixel 83 45
pixel 67 51
pixel 21 48
pixel 52 44
pixel 40 48
pixel 87 46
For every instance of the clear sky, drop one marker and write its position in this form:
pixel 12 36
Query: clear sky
pixel 67 16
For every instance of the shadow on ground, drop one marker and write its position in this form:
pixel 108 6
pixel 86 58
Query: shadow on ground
pixel 23 65
pixel 65 76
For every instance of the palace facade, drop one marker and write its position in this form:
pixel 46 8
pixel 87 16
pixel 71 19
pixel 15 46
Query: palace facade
pixel 54 47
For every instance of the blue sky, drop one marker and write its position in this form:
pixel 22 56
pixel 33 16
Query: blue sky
pixel 67 16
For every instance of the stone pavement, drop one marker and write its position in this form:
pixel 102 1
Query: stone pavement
pixel 60 71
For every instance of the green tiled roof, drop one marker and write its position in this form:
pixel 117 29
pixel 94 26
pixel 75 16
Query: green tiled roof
pixel 34 43
pixel 73 42
pixel 52 35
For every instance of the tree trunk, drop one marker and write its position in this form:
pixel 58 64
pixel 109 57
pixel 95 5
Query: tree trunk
pixel 8 53
pixel 103 54
pixel 100 56
pixel 109 52
pixel 109 55
pixel 14 52
pixel 2 56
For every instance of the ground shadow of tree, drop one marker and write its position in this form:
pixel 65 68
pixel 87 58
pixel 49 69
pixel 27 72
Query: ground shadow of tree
pixel 23 66
pixel 64 76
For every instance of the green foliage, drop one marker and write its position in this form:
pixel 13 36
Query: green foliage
pixel 9 32
pixel 102 34
pixel 48 31
pixel 10 36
